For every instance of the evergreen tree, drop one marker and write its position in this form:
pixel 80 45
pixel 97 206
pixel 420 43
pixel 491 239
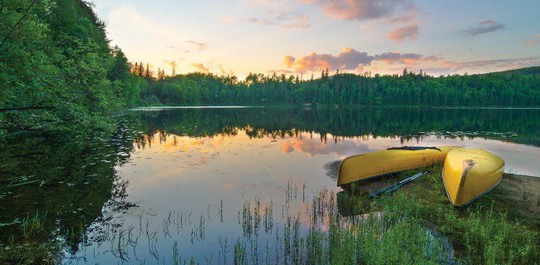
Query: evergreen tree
pixel 147 73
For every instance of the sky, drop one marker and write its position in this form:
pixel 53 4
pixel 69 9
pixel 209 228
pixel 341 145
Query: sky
pixel 304 37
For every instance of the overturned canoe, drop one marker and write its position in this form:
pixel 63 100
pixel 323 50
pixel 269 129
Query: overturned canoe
pixel 374 164
pixel 470 173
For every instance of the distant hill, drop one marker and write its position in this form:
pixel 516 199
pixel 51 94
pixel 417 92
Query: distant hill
pixel 535 70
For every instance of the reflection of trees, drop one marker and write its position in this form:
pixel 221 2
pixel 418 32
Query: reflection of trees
pixel 60 183
pixel 516 125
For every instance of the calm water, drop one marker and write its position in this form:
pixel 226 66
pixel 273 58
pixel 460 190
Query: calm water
pixel 206 183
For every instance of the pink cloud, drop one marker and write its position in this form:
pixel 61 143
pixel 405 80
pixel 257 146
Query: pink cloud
pixel 396 57
pixel 407 32
pixel 313 147
pixel 351 59
pixel 361 9
pixel 534 40
pixel 298 22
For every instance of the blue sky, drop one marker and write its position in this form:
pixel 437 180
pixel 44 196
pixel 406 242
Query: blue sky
pixel 306 36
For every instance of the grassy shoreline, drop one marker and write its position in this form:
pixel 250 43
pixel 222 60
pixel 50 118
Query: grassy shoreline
pixel 499 228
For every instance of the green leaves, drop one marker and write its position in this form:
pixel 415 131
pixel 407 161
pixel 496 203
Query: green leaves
pixel 55 53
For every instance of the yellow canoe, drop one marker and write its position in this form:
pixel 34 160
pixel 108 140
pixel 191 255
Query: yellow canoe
pixel 374 164
pixel 470 173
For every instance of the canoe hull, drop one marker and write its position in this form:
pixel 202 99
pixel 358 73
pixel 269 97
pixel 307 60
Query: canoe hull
pixel 470 173
pixel 374 164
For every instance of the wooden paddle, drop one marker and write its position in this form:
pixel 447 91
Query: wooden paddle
pixel 398 185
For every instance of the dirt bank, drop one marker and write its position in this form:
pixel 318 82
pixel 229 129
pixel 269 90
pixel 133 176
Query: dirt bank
pixel 521 196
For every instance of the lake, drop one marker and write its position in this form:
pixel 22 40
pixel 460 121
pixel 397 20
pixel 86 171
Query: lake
pixel 219 184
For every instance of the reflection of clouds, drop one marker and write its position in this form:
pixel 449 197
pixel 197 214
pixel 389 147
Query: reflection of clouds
pixel 229 186
pixel 287 147
pixel 312 147
pixel 188 144
pixel 199 162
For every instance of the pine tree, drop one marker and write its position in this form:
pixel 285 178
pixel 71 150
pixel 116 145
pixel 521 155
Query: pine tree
pixel 141 69
pixel 147 73
pixel 134 69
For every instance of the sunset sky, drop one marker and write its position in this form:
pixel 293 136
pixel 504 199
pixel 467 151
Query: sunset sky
pixel 305 36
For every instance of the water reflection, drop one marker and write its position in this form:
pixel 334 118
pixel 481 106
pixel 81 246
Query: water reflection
pixel 219 185
pixel 52 187
pixel 515 125
pixel 231 196
pixel 248 185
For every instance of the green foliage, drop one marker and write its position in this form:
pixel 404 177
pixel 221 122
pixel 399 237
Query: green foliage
pixel 483 232
pixel 410 226
pixel 487 90
pixel 58 71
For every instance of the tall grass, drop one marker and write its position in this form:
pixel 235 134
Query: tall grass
pixel 32 224
pixel 415 225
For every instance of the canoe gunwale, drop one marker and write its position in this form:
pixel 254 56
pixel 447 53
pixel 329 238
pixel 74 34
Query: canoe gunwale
pixel 405 158
pixel 348 184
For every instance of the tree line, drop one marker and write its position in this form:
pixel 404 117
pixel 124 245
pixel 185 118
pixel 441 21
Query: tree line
pixel 506 89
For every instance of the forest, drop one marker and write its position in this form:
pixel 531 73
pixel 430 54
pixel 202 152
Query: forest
pixel 517 88
pixel 60 71
pixel 58 68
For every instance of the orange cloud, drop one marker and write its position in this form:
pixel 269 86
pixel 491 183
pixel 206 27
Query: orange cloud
pixel 171 63
pixel 199 67
pixel 400 34
pixel 350 59
pixel 288 60
pixel 347 59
